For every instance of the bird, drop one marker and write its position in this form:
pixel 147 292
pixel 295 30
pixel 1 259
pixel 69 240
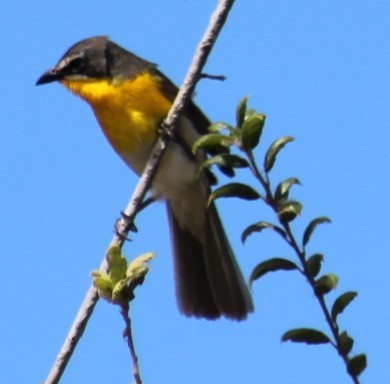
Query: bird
pixel 130 97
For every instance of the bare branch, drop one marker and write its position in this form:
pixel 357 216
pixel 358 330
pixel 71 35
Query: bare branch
pixel 128 334
pixel 193 75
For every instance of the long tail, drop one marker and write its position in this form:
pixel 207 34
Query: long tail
pixel 209 282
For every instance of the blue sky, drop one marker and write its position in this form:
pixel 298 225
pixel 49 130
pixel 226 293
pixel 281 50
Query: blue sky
pixel 318 70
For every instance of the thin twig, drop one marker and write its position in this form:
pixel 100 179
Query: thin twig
pixel 203 50
pixel 212 77
pixel 320 298
pixel 128 334
pixel 291 240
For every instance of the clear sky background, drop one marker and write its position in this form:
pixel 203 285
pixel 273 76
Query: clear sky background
pixel 318 70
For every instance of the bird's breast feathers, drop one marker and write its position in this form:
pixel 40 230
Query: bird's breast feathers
pixel 128 111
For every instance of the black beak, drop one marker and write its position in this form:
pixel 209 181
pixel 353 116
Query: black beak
pixel 49 77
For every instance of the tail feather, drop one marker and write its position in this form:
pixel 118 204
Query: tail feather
pixel 209 282
pixel 228 285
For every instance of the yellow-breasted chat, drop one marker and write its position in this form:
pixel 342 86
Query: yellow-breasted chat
pixel 130 97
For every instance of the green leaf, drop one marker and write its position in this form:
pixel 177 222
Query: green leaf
pixel 103 284
pixel 241 111
pixel 314 264
pixel 114 251
pixel 312 225
pixel 305 335
pixel 117 264
pixel 239 190
pixel 357 365
pixel 105 294
pixel 212 140
pixel 251 131
pixel 289 210
pixel 346 343
pixel 341 303
pixel 326 283
pixel 283 188
pixel 225 160
pixel 101 280
pixel 119 291
pixel 139 266
pixel 258 227
pixel 273 151
pixel 271 265
pixel 217 127
pixel 249 112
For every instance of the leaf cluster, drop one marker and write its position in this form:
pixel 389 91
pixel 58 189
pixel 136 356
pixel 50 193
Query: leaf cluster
pixel 245 136
pixel 117 286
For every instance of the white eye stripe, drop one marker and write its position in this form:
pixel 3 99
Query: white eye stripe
pixel 67 60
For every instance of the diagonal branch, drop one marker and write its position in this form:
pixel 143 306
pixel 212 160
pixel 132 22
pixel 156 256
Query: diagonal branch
pixel 193 75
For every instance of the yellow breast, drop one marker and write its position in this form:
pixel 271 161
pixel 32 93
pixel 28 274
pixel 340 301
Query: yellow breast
pixel 129 112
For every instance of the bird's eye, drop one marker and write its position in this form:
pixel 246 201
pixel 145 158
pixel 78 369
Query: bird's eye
pixel 75 65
